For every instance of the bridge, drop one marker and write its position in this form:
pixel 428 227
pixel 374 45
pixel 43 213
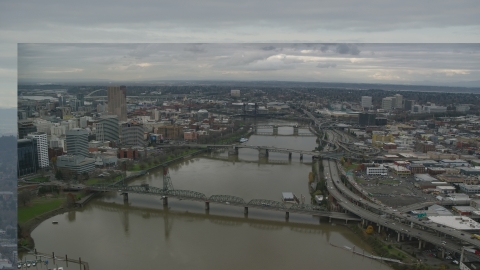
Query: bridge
pixel 168 191
pixel 274 131
pixel 263 150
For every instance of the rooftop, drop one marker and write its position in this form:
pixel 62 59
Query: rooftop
pixel 456 222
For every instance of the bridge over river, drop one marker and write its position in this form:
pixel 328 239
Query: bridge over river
pixel 168 191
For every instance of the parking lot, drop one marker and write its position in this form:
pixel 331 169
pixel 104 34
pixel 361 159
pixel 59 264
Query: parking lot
pixel 392 190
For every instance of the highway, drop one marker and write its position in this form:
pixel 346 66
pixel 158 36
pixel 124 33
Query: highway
pixel 423 233
pixel 404 217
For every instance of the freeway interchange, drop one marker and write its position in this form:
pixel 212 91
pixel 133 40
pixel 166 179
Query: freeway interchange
pixel 386 217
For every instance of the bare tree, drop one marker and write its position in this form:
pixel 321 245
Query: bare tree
pixel 25 197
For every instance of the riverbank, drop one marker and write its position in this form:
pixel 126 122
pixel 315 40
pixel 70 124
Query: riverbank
pixel 392 251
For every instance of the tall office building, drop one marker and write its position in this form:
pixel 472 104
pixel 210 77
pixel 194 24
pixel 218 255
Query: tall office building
pixel 409 104
pixel 117 101
pixel 366 101
pixel 398 101
pixel 366 119
pixel 27 157
pixel 107 128
pixel 387 103
pixel 25 127
pixel 131 134
pixel 42 148
pixel 77 142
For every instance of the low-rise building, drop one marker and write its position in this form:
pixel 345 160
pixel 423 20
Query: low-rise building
pixel 76 163
pixel 445 189
pixel 469 189
pixel 453 163
pixel 400 170
pixel 380 170
pixel 469 171
pixel 425 178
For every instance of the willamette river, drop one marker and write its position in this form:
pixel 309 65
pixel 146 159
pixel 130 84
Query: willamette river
pixel 143 234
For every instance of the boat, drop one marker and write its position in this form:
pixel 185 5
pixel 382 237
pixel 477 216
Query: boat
pixel 242 140
pixel 55 222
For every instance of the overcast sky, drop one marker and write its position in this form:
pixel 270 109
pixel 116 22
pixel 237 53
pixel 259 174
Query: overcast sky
pixel 207 21
pixel 438 64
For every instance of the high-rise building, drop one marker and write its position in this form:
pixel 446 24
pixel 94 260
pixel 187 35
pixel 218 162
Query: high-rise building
pixel 117 101
pixel 42 148
pixel 366 119
pixel 409 104
pixel 398 101
pixel 131 134
pixel 77 142
pixel 25 127
pixel 366 101
pixel 27 157
pixel 387 103
pixel 81 98
pixel 107 128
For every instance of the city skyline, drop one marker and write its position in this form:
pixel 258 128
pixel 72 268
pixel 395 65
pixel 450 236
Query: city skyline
pixel 424 64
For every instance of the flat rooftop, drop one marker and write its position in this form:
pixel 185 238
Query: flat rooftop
pixel 461 223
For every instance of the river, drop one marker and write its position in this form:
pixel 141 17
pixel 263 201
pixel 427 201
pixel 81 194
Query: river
pixel 143 234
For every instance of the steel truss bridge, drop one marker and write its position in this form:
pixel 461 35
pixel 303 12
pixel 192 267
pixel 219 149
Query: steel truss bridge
pixel 167 191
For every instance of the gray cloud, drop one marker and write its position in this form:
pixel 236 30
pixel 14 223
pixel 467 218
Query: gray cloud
pixel 326 65
pixel 347 49
pixel 391 63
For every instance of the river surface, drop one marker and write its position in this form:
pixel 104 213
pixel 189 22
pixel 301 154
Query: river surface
pixel 143 234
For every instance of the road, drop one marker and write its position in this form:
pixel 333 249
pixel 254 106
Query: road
pixel 423 231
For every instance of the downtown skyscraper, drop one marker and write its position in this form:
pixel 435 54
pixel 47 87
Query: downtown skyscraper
pixel 117 101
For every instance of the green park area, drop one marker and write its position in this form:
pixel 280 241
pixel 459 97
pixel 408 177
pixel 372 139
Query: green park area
pixel 38 206
pixel 102 180
pixel 40 179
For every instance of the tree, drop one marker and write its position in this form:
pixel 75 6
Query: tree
pixel 59 175
pixel 25 197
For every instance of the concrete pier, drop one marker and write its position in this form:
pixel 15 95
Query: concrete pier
pixel 245 210
pixel 207 205
pixel 287 215
pixel 125 196
pixel 165 200
pixel 263 152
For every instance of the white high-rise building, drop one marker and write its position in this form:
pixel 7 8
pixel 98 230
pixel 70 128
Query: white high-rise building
pixel 387 103
pixel 42 148
pixel 366 101
pixel 398 101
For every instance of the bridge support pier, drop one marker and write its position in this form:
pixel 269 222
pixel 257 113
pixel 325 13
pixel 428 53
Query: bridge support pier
pixel 330 220
pixel 125 197
pixel 301 156
pixel 233 152
pixel 262 152
pixel 290 155
pixel 419 244
pixel 287 215
pixel 295 130
pixel 165 200
pixel 245 211
pixel 207 206
pixel 275 130
pixel 398 236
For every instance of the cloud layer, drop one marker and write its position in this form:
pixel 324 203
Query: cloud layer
pixel 442 64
